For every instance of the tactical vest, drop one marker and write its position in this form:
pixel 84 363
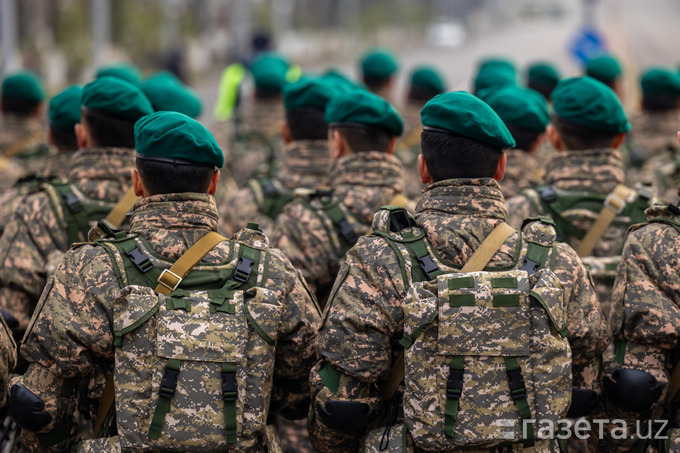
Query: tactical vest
pixel 269 195
pixel 193 368
pixel 486 353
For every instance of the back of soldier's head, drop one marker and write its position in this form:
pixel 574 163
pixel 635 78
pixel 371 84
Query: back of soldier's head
pixel 110 107
pixel 175 153
pixel 22 93
pixel 660 89
pixel 269 71
pixel 542 77
pixel 63 113
pixel 426 83
pixel 462 137
pixel 366 121
pixel 305 103
pixel 587 114
pixel 378 66
pixel 524 112
pixel 606 69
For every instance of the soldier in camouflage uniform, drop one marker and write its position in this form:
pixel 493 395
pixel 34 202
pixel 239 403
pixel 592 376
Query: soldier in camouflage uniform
pixel 8 358
pixel 543 77
pixel 379 69
pixel 22 137
pixel 36 235
pixel 70 345
pixel 652 151
pixel 525 114
pixel 63 115
pixel 607 69
pixel 314 230
pixel 304 164
pixel 364 321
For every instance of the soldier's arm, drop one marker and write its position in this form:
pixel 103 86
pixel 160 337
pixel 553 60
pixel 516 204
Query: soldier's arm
pixel 70 336
pixel 360 330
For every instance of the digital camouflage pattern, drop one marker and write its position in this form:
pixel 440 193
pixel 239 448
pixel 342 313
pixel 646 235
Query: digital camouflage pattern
pixel 304 164
pixel 35 238
pixel 645 313
pixel 23 142
pixel 522 170
pixel 71 338
pixel 364 319
pixel 653 152
pixel 8 358
pixel 361 183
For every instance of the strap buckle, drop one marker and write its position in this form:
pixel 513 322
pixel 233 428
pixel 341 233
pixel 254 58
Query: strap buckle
pixel 347 232
pixel 400 220
pixel 454 384
pixel 73 202
pixel 173 275
pixel 427 264
pixel 614 203
pixel 516 384
pixel 229 386
pixel 169 383
pixel 140 260
pixel 548 194
pixel 243 269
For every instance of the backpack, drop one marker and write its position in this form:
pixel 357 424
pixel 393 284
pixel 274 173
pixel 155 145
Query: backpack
pixel 486 352
pixel 194 357
pixel 270 195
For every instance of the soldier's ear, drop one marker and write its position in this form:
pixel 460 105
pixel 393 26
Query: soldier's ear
pixel 82 137
pixel 618 140
pixel 500 168
pixel 537 143
pixel 137 182
pixel 392 145
pixel 213 182
pixel 285 133
pixel 336 144
pixel 424 172
pixel 554 137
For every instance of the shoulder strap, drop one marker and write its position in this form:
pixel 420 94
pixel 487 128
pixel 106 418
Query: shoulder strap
pixel 117 215
pixel 613 205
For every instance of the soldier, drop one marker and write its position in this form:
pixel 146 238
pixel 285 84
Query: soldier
pixel 525 114
pixel 492 74
pixel 73 340
pixel 584 182
pixel 606 69
pixel 47 222
pixel 167 93
pixel 63 115
pixel 123 71
pixel 316 229
pixel 364 321
pixel 22 138
pixel 379 69
pixel 543 77
pixel 305 163
pixel 651 149
pixel 426 83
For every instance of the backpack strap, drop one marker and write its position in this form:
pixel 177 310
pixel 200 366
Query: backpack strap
pixel 550 202
pixel 269 197
pixel 614 204
pixel 75 215
pixel 488 248
pixel 117 215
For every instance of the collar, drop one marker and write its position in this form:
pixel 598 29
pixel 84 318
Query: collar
pixel 598 170
pixel 478 197
pixel 368 169
pixel 175 211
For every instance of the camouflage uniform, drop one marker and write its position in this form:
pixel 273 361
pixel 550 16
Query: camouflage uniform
pixel 408 149
pixel 8 358
pixel 653 153
pixel 34 237
pixel 364 322
pixel 23 140
pixel 70 343
pixel 304 164
pixel 361 182
pixel 522 171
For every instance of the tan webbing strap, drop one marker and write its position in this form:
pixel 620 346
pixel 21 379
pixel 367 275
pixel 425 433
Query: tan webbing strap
pixel 399 200
pixel 477 262
pixel 613 205
pixel 105 403
pixel 117 215
pixel 171 278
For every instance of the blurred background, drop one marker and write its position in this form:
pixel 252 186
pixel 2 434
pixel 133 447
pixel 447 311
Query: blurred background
pixel 66 40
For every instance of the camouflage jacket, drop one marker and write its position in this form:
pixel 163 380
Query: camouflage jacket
pixel 34 236
pixel 361 183
pixel 408 149
pixel 522 171
pixel 653 153
pixel 23 141
pixel 8 358
pixel 70 342
pixel 305 164
pixel 363 321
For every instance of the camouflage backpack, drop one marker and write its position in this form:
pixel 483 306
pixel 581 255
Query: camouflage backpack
pixel 486 352
pixel 195 356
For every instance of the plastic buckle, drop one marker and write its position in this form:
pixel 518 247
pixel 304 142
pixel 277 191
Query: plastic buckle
pixel 347 232
pixel 168 271
pixel 74 204
pixel 614 203
pixel 168 383
pixel 427 264
pixel 140 260
pixel 548 194
pixel 454 384
pixel 269 189
pixel 243 269
pixel 529 266
pixel 229 387
pixel 673 209
pixel 399 220
pixel 516 384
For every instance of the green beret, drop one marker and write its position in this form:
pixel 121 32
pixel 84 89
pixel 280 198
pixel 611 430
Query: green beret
pixel 461 113
pixel 173 136
pixel 494 78
pixel 166 94
pixel 378 64
pixel 604 68
pixel 64 108
pixel 24 85
pixel 166 76
pixel 124 71
pixel 269 72
pixel 590 103
pixel 428 78
pixel 543 74
pixel 660 81
pixel 341 80
pixel 309 92
pixel 497 64
pixel 359 107
pixel 116 97
pixel 522 108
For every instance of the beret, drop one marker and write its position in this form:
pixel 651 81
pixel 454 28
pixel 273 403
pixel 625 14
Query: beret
pixel 359 107
pixel 173 136
pixel 309 92
pixel 269 71
pixel 24 85
pixel 543 74
pixel 428 78
pixel 166 76
pixel 660 81
pixel 461 113
pixel 116 97
pixel 378 64
pixel 494 78
pixel 497 64
pixel 604 68
pixel 64 108
pixel 124 71
pixel 167 94
pixel 520 107
pixel 590 103
pixel 341 81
